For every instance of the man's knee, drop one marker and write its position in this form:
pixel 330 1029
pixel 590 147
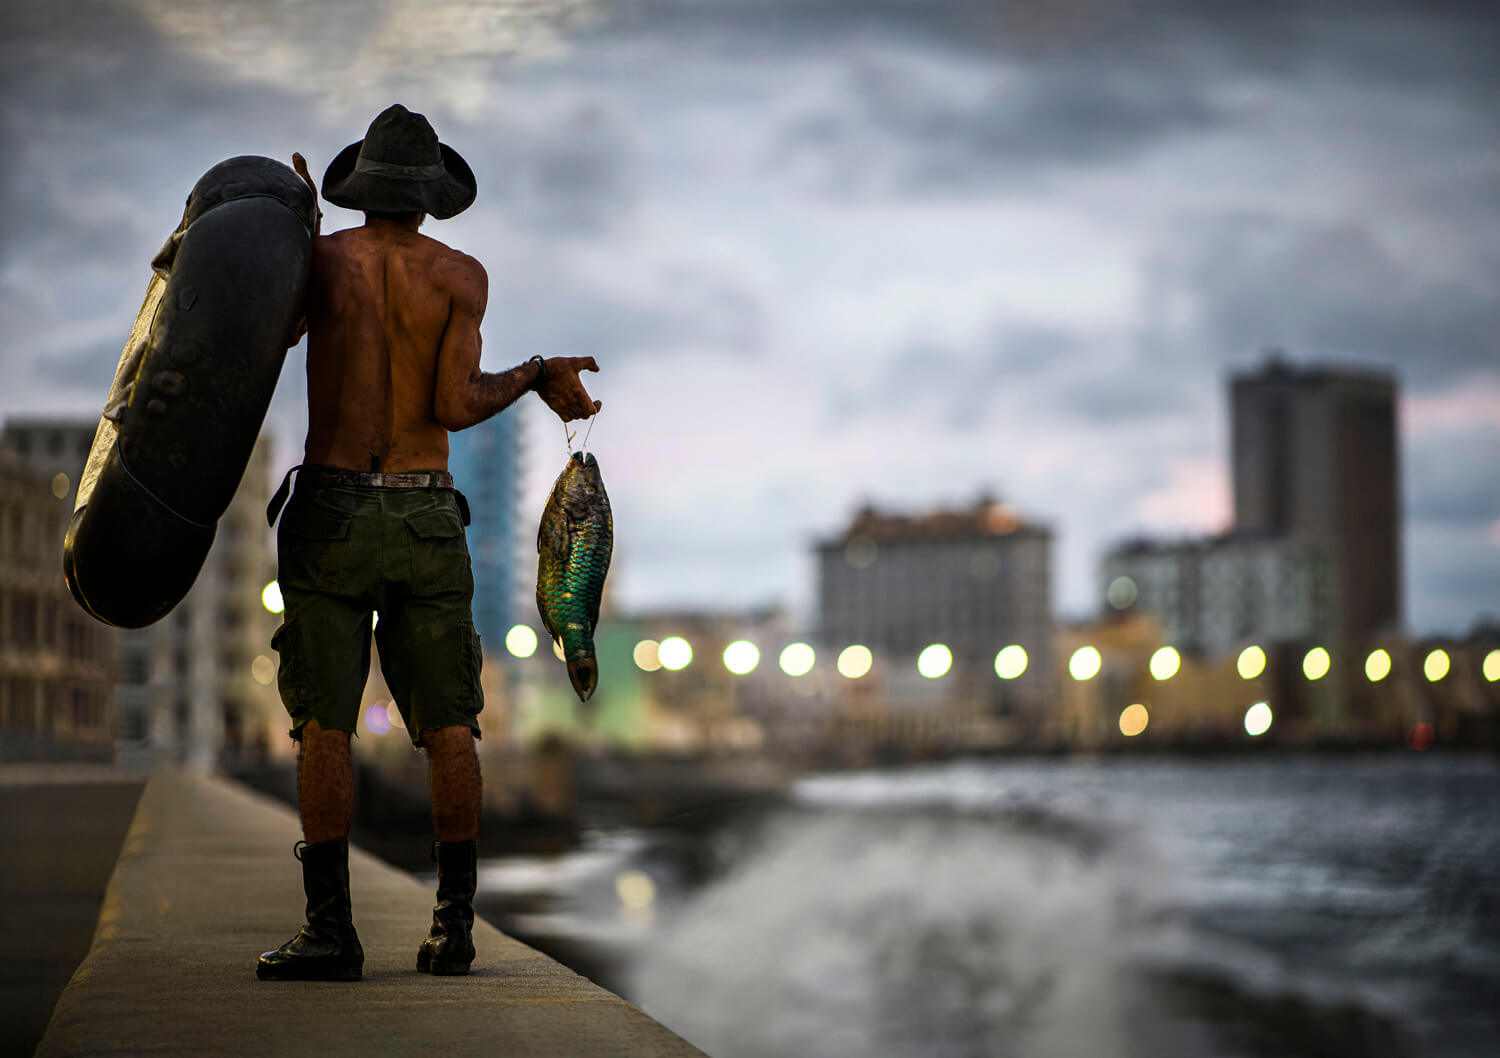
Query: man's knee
pixel 456 739
pixel 312 731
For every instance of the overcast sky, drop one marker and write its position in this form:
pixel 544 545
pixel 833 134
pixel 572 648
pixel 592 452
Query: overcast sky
pixel 830 251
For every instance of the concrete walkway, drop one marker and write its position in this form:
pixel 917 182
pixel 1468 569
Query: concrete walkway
pixel 206 881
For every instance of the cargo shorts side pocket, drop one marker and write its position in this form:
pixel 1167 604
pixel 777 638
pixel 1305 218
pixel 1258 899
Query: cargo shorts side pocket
pixel 473 662
pixel 439 552
pixel 290 679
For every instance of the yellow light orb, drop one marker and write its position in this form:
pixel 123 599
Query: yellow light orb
pixel 1165 663
pixel 1492 666
pixel 271 598
pixel 1258 719
pixel 521 641
pixel 1010 662
pixel 1316 663
pixel 1085 663
pixel 645 655
pixel 1251 663
pixel 61 485
pixel 741 657
pixel 855 661
pixel 797 659
pixel 1133 720
pixel 935 661
pixel 636 890
pixel 674 653
pixel 263 670
pixel 1436 665
pixel 1377 665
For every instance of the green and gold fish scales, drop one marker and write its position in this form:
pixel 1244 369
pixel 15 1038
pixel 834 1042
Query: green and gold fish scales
pixel 574 544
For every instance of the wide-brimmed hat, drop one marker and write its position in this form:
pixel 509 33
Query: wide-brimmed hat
pixel 400 167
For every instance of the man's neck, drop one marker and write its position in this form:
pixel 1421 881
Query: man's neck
pixel 406 222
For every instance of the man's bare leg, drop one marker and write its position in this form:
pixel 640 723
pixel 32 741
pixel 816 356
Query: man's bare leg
pixel 327 948
pixel 325 783
pixel 453 775
pixel 453 771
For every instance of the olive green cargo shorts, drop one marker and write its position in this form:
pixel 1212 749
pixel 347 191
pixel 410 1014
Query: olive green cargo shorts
pixel 345 552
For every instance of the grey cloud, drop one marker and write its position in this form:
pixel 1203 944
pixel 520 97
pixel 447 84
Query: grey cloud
pixel 572 173
pixel 553 309
pixel 1337 291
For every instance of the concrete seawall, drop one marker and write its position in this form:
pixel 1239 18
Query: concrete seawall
pixel 206 881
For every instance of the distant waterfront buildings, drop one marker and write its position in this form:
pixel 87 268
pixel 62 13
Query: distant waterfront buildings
pixel 57 665
pixel 975 580
pixel 199 685
pixel 485 463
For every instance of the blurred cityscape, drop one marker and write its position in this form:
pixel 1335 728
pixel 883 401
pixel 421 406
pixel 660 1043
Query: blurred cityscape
pixel 934 632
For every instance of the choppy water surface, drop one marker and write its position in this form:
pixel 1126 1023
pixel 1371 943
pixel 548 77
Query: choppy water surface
pixel 1218 908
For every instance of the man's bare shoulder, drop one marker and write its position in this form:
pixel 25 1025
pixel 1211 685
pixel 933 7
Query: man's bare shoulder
pixel 455 265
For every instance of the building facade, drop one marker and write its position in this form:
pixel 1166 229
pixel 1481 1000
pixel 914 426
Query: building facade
pixel 198 686
pixel 1216 595
pixel 975 579
pixel 57 665
pixel 1315 459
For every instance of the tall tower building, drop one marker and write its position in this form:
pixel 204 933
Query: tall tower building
pixel 485 463
pixel 1315 459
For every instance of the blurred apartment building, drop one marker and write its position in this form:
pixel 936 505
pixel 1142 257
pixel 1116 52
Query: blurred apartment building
pixel 198 686
pixel 976 580
pixel 1213 595
pixel 57 665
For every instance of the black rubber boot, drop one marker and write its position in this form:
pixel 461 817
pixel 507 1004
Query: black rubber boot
pixel 327 948
pixel 449 947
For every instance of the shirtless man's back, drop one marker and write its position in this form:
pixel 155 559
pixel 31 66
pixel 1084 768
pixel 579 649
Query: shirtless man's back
pixel 393 353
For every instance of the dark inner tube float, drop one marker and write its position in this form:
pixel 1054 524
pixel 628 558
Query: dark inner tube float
pixel 191 391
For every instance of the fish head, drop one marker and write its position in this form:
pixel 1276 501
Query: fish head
pixel 583 490
pixel 583 673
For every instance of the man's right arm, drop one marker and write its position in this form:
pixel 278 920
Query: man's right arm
pixel 465 395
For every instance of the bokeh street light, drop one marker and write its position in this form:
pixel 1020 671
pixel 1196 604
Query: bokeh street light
pixel 797 659
pixel 1258 719
pixel 521 641
pixel 854 661
pixel 1165 663
pixel 1251 662
pixel 1085 663
pixel 1010 662
pixel 1436 665
pixel 674 653
pixel 935 661
pixel 741 657
pixel 1316 663
pixel 1133 720
pixel 270 598
pixel 645 655
pixel 1492 666
pixel 1377 665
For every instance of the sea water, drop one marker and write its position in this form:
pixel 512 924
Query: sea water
pixel 1207 907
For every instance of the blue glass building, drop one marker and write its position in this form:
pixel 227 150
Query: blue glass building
pixel 485 462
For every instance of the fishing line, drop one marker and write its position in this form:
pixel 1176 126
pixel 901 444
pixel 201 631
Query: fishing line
pixel 568 436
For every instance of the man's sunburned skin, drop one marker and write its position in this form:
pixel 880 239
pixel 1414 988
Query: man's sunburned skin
pixel 393 350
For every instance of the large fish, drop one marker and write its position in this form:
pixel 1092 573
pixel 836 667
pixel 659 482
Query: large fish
pixel 573 547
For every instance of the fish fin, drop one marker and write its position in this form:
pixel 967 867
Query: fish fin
pixel 541 608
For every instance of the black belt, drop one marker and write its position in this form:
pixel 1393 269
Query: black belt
pixel 407 479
